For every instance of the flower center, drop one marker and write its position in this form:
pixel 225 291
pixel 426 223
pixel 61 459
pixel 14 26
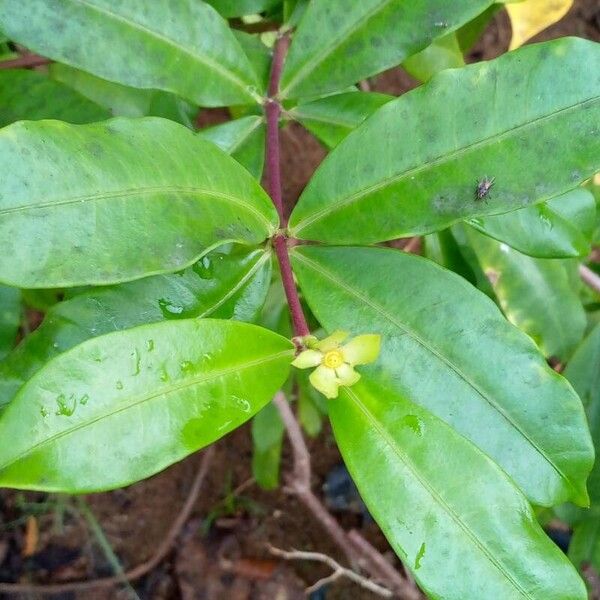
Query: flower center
pixel 333 359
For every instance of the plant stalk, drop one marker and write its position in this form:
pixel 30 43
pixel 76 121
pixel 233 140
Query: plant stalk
pixel 273 162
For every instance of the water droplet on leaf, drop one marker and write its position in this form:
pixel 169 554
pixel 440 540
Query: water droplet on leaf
pixel 169 309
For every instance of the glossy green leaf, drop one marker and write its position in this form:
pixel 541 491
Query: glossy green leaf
pixel 442 248
pixel 447 347
pixel 469 33
pixel 338 43
pixel 31 95
pixel 443 53
pixel 475 539
pixel 123 406
pixel 535 294
pixel 120 100
pixel 119 200
pixel 228 283
pixel 332 118
pixel 267 439
pixel 10 318
pixel 583 371
pixel 239 8
pixel 244 139
pixel 260 57
pixel 415 165
pixel 311 405
pixel 124 101
pixel 184 47
pixel 584 548
pixel 559 228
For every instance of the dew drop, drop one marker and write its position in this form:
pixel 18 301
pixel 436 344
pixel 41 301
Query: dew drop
pixel 65 407
pixel 414 423
pixel 241 403
pixel 204 268
pixel 135 357
pixel 186 366
pixel 169 309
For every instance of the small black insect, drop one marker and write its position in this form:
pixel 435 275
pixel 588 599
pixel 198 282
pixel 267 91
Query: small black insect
pixel 483 187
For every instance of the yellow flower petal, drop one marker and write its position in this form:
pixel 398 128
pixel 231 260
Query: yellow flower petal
pixel 346 375
pixel 324 380
pixel 307 359
pixel 362 349
pixel 331 342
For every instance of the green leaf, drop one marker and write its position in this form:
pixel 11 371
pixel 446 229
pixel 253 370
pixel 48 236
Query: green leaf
pixel 478 539
pixel 239 8
pixel 228 283
pixel 123 406
pixel 414 166
pixel 559 228
pixel 124 101
pixel 10 318
pixel 184 47
pixel 338 43
pixel 267 439
pixel 120 100
pixel 584 548
pixel 448 348
pixel 535 294
pixel 244 139
pixel 31 95
pixel 119 200
pixel 583 372
pixel 332 118
pixel 260 57
pixel 442 248
pixel 311 405
pixel 443 53
pixel 469 33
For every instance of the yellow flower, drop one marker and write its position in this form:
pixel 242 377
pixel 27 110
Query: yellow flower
pixel 335 363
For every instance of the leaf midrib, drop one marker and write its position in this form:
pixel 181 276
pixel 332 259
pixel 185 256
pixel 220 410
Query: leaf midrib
pixel 136 401
pixel 211 64
pixel 336 41
pixel 140 191
pixel 438 160
pixel 435 495
pixel 433 351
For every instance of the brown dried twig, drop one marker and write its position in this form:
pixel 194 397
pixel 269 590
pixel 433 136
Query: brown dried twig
pixel 338 571
pixel 358 551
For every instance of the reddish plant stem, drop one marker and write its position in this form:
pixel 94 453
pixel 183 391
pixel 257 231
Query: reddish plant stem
pixel 27 60
pixel 273 111
pixel 289 285
pixel 272 159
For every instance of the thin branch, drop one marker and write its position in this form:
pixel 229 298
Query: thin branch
pixel 22 62
pixel 138 572
pixel 289 285
pixel 590 278
pixel 299 482
pixel 273 111
pixel 273 163
pixel 358 551
pixel 382 569
pixel 338 571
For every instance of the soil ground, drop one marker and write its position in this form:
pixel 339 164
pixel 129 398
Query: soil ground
pixel 222 553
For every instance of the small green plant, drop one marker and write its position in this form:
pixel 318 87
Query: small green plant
pixel 172 328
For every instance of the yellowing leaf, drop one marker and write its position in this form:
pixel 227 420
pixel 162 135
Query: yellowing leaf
pixel 530 17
